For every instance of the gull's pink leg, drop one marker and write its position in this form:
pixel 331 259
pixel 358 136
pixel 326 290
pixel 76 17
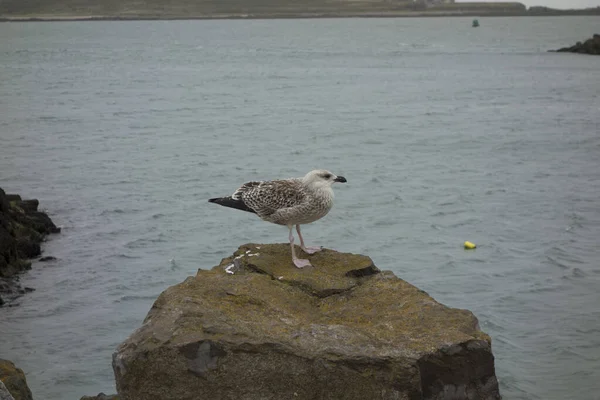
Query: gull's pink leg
pixel 297 261
pixel 307 250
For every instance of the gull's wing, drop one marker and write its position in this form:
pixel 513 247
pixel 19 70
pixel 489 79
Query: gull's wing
pixel 268 197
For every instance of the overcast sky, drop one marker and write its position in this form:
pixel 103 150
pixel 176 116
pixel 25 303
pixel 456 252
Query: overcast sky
pixel 554 3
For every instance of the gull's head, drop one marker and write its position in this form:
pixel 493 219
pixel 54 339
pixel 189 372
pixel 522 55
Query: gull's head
pixel 321 178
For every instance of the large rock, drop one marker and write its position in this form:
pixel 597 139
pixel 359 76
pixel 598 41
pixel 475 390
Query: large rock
pixel 255 327
pixel 14 380
pixel 590 46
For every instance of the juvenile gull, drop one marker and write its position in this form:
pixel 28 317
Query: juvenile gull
pixel 288 202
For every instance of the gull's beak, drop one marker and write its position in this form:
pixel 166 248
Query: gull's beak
pixel 340 179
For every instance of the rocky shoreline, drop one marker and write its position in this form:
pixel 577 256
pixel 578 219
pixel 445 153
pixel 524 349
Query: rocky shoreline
pixel 255 327
pixel 22 229
pixel 590 46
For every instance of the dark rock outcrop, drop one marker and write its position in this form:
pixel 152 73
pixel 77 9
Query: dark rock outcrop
pixel 101 396
pixel 22 229
pixel 14 380
pixel 590 46
pixel 255 327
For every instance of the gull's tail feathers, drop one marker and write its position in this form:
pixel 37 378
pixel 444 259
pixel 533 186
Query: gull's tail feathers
pixel 231 203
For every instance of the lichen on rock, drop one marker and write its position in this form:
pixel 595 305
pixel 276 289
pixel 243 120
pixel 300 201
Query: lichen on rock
pixel 256 327
pixel 14 380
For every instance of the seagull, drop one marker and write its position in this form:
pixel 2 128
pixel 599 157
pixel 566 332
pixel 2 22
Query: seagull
pixel 289 202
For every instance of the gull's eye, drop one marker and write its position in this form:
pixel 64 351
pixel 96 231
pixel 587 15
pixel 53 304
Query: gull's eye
pixel 327 176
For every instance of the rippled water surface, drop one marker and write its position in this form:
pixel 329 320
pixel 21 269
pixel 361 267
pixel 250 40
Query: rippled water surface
pixel 446 133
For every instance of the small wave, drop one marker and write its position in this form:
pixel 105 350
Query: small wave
pixel 468 221
pixel 560 257
pixel 126 256
pixel 385 222
pixel 115 211
pixel 135 297
pixel 436 243
pixel 537 288
pixel 435 113
pixel 488 324
pixel 144 242
pixel 191 180
pixel 447 264
pixel 478 260
pixel 576 222
pixel 494 191
pixel 592 330
pixel 372 141
pixel 193 109
pixel 555 262
pixel 508 341
pixel 445 213
pixel 575 273
pixel 124 113
pixel 67 380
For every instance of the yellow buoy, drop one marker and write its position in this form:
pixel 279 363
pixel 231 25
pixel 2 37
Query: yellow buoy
pixel 469 245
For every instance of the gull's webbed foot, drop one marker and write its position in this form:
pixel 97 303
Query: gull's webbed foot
pixel 300 263
pixel 311 250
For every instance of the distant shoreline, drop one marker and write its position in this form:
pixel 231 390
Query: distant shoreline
pixel 299 15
